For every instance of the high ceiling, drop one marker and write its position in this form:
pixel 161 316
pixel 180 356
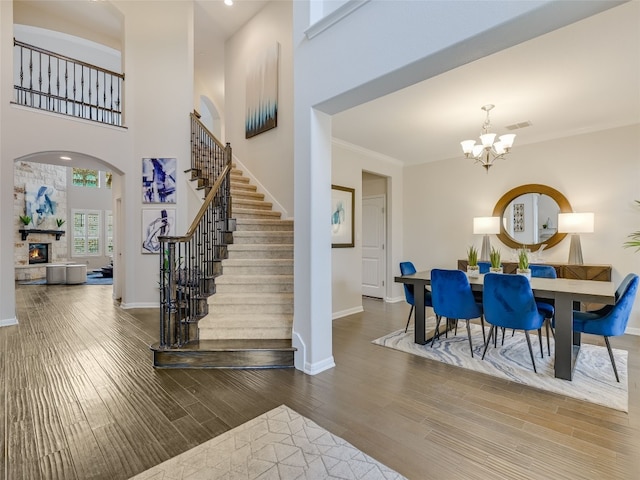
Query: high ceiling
pixel 581 78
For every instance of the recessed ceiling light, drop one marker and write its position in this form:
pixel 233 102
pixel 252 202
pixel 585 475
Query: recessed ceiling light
pixel 228 2
pixel 65 158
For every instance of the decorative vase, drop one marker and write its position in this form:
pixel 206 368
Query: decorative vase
pixel 473 271
pixel 496 269
pixel 526 272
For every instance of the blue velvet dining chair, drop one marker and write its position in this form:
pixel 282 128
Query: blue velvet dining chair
pixel 610 320
pixel 508 302
pixel 407 268
pixel 453 299
pixel 545 307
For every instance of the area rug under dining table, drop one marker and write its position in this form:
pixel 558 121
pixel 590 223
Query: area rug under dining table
pixel 593 379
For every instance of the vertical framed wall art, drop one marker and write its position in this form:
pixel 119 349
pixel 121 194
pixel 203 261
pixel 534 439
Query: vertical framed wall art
pixel 159 180
pixel 262 92
pixel 518 217
pixel 156 222
pixel 342 216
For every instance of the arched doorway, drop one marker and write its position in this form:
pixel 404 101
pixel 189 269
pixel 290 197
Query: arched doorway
pixel 97 198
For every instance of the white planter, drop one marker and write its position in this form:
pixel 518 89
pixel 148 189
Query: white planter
pixel 526 273
pixel 473 271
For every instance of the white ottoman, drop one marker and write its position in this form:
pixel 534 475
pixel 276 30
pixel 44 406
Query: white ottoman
pixel 56 274
pixel 76 274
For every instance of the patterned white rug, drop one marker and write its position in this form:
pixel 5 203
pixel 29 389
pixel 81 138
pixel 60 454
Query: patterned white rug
pixel 593 379
pixel 278 445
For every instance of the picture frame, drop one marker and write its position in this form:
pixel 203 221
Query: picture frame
pixel 159 180
pixel 261 112
pixel 156 222
pixel 342 216
pixel 518 217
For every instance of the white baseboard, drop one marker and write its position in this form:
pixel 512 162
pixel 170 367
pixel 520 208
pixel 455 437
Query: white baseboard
pixel 632 331
pixel 318 367
pixel 7 322
pixel 349 311
pixel 395 299
pixel 128 306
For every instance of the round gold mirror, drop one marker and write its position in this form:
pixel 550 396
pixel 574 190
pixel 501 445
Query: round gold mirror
pixel 529 216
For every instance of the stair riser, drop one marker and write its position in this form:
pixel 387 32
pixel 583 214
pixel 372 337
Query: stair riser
pixel 225 309
pixel 255 334
pixel 258 270
pixel 262 253
pixel 247 196
pixel 248 227
pixel 278 239
pixel 251 204
pixel 242 187
pixel 256 288
pixel 224 359
pixel 255 214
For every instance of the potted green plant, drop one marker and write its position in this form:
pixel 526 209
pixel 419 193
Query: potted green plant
pixel 523 263
pixel 473 270
pixel 60 222
pixel 494 258
pixel 25 219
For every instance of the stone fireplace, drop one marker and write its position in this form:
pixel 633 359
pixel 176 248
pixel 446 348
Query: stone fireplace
pixel 38 253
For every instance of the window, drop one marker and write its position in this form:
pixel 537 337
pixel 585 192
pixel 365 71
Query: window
pixel 87 229
pixel 84 177
pixel 108 232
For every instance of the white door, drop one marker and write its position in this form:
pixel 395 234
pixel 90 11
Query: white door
pixel 373 248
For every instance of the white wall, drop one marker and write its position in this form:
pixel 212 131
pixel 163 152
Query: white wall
pixel 269 155
pixel 378 49
pixel 348 163
pixel 158 64
pixel 598 172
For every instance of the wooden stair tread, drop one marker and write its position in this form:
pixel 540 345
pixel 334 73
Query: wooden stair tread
pixel 233 345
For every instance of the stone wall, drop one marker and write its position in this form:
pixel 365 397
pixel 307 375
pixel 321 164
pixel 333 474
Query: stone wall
pixel 36 174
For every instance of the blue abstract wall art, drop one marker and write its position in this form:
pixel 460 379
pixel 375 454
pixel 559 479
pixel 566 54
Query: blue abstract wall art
pixel 262 92
pixel 159 180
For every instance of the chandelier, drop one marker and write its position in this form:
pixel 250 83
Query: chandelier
pixel 488 151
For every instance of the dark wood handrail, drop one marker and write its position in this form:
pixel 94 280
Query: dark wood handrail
pixel 203 209
pixel 18 43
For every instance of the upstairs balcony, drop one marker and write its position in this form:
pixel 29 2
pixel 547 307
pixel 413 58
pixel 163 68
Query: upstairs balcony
pixel 55 83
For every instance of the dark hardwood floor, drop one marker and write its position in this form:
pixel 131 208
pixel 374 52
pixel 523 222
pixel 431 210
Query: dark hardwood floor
pixel 80 400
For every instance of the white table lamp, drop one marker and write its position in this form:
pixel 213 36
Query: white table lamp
pixel 486 226
pixel 575 223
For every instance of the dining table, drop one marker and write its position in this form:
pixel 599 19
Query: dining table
pixel 563 291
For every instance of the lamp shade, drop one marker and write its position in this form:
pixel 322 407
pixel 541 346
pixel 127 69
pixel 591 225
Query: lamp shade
pixel 486 225
pixel 575 222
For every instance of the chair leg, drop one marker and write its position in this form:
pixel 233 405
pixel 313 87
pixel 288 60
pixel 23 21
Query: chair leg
pixel 613 362
pixel 469 335
pixel 484 337
pixel 530 351
pixel 546 326
pixel 503 329
pixel 436 332
pixel 486 344
pixel 540 338
pixel 409 319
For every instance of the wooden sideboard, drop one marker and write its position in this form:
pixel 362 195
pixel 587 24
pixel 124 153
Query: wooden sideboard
pixel 563 270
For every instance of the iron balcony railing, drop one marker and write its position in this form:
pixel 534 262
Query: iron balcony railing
pixel 48 81
pixel 190 263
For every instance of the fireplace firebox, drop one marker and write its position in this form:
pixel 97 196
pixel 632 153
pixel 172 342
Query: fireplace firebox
pixel 38 253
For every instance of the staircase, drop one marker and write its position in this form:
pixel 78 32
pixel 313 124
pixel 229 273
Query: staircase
pixel 236 311
pixel 254 294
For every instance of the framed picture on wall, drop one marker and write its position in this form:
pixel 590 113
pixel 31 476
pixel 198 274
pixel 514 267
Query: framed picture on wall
pixel 159 180
pixel 156 222
pixel 262 92
pixel 518 217
pixel 342 216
